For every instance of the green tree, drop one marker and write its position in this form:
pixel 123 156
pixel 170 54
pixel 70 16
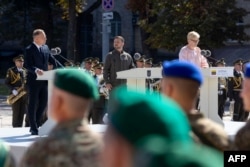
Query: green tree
pixel 71 9
pixel 168 22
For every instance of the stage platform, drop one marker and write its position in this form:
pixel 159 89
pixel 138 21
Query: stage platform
pixel 19 138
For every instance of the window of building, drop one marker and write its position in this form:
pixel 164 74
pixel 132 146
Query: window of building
pixel 115 25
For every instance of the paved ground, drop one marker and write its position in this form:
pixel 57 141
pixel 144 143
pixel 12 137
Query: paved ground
pixel 6 113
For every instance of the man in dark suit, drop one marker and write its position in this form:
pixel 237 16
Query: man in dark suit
pixel 37 56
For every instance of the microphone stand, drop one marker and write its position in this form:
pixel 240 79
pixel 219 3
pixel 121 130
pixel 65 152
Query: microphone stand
pixel 67 60
pixel 57 62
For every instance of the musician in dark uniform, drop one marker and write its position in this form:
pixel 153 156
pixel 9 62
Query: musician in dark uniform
pixel 99 105
pixel 222 89
pixel 234 89
pixel 16 80
pixel 139 60
pixel 37 56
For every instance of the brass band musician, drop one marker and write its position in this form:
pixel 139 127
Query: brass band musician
pixel 222 89
pixel 16 80
pixel 98 110
pixel 234 89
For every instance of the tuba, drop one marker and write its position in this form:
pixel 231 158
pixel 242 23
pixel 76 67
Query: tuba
pixel 11 99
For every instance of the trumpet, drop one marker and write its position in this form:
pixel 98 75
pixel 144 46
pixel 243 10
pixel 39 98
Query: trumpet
pixel 103 90
pixel 11 99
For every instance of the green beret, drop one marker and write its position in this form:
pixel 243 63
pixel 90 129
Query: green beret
pixel 77 82
pixel 135 115
pixel 156 151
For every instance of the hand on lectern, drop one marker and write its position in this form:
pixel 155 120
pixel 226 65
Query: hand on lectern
pixel 39 72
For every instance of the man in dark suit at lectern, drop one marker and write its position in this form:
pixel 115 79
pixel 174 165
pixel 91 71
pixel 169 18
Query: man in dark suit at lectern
pixel 37 56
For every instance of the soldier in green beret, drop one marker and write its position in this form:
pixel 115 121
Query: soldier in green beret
pixel 181 82
pixel 150 130
pixel 6 158
pixel 71 143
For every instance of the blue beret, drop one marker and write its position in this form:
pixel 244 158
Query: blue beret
pixel 247 70
pixel 135 115
pixel 182 69
pixel 77 82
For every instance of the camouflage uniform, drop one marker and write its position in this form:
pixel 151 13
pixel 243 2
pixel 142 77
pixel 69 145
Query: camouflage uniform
pixel 242 138
pixel 207 132
pixel 6 159
pixel 69 144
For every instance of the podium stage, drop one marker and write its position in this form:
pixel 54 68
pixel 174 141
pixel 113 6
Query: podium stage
pixel 19 139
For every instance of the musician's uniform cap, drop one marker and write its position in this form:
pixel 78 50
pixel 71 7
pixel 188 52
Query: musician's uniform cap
pixel 77 82
pixel 134 116
pixel 138 57
pixel 247 70
pixel 88 60
pixel 149 61
pixel 96 59
pixel 68 64
pixel 18 58
pixel 141 59
pixel 238 61
pixel 221 61
pixel 98 65
pixel 182 69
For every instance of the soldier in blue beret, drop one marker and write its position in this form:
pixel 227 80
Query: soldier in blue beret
pixel 181 82
pixel 71 142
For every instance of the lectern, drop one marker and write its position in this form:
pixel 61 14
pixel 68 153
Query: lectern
pixel 136 77
pixel 49 124
pixel 209 91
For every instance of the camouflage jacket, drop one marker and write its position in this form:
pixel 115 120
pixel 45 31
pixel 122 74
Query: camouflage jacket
pixel 208 132
pixel 242 138
pixel 70 144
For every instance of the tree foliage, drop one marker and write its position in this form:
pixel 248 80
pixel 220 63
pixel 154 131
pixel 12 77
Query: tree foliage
pixel 168 22
pixel 65 5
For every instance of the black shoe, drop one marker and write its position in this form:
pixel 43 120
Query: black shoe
pixel 34 133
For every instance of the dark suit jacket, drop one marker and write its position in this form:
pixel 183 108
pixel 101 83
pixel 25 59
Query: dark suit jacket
pixel 34 59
